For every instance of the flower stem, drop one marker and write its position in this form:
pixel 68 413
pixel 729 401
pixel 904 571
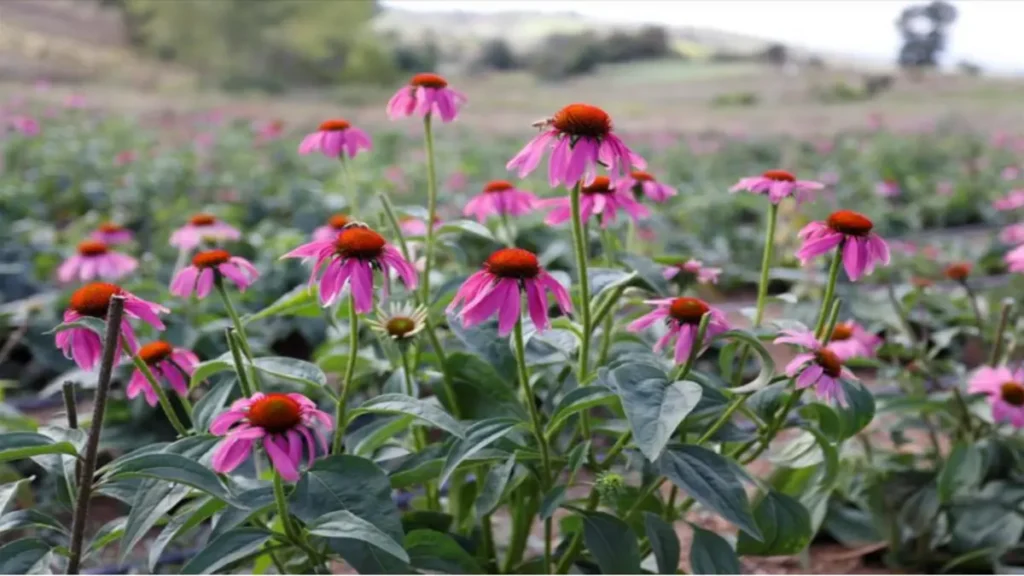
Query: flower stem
pixel 239 330
pixel 419 437
pixel 538 431
pixel 766 264
pixel 997 337
pixel 161 396
pixel 110 343
pixel 580 243
pixel 830 290
pixel 71 410
pixel 290 531
pixel 346 383
pixel 973 299
pixel 428 138
pixel 236 354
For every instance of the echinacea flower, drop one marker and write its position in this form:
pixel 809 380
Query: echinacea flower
pixel 1005 391
pixel 1012 234
pixel 888 188
pixel 208 267
pixel 112 233
pixel 412 226
pixel 498 289
pixel 598 198
pixel 96 260
pixel 581 139
pixel 498 198
pixel 958 272
pixel 778 185
pixel 334 225
pixel 426 94
pixel 350 258
pixel 334 137
pixel 862 248
pixel 643 184
pixel 168 364
pixel 851 340
pixel 202 227
pixel 1013 200
pixel 682 316
pixel 821 367
pixel 24 125
pixel 93 300
pixel 1015 259
pixel 399 322
pixel 704 274
pixel 286 424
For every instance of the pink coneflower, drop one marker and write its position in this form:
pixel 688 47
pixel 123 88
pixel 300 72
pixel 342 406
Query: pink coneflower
pixel 351 258
pixel 1015 259
pixel 1005 391
pixel 202 227
pixel 683 316
pixel 95 260
pixel 285 422
pixel 24 125
pixel 704 274
pixel 598 198
pixel 168 364
pixel 112 233
pixel 581 139
pixel 851 340
pixel 1010 173
pixel 888 188
pixel 412 226
pixel 643 184
pixel 124 157
pixel 456 181
pixel 777 185
pixel 500 197
pixel 269 131
pixel 862 248
pixel 1012 234
pixel 334 225
pixel 93 300
pixel 498 288
pixel 1013 200
pixel 945 188
pixel 334 137
pixel 207 267
pixel 821 367
pixel 426 94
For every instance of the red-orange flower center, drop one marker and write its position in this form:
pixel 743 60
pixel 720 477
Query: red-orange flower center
pixel 338 221
pixel 921 282
pixel 600 185
pixel 211 258
pixel 850 223
pixel 155 352
pixel 582 120
pixel 1012 393
pixel 334 125
pixel 203 220
pixel 94 299
pixel 779 176
pixel 513 263
pixel 275 413
pixel 829 361
pixel 110 227
pixel 959 271
pixel 641 176
pixel 428 80
pixel 92 248
pixel 842 331
pixel 359 243
pixel 498 186
pixel 688 310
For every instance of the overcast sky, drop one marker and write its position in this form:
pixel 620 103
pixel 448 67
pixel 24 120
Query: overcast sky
pixel 987 32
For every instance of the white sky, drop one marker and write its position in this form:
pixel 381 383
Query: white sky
pixel 987 32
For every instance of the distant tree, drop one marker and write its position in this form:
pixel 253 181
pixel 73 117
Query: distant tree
pixel 924 29
pixel 496 54
pixel 647 43
pixel 776 54
pixel 563 55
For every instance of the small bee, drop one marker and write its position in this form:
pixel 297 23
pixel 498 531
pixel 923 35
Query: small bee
pixel 543 123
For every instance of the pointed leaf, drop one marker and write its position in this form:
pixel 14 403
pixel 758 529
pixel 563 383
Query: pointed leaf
pixel 653 406
pixel 155 499
pixel 422 410
pixel 22 556
pixel 552 501
pixel 436 552
pixel 346 525
pixel 300 301
pixel 494 487
pixel 612 543
pixel 580 399
pixel 171 468
pixel 186 520
pixel 229 547
pixel 712 554
pixel 212 403
pixel 479 436
pixel 21 445
pixel 664 543
pixel 292 369
pixel 785 525
pixel 467 226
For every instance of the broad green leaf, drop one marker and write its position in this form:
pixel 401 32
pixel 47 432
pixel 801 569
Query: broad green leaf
pixel 186 520
pixel 480 390
pixel 21 445
pixel 226 549
pixel 767 371
pixel 482 341
pixel 577 456
pixel 212 403
pixel 171 468
pixel 712 481
pixel 647 270
pixel 478 436
pixel 654 407
pixel 664 543
pixel 292 369
pixel 31 518
pixel 96 325
pixel 107 534
pixel 494 485
pixel 552 501
pixel 466 226
pixel 963 470
pixel 603 279
pixel 300 301
pixel 9 493
pixel 346 525
pixel 23 556
pixel 858 412
pixel 576 401
pixel 423 410
pixel 785 526
pixel 437 552
pixel 204 370
pixel 712 554
pixel 155 499
pixel 612 543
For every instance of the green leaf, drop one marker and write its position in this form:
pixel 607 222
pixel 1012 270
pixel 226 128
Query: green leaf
pixel 858 412
pixel 299 301
pixel 653 406
pixel 491 350
pixel 552 501
pixel 479 436
pixel 711 480
pixel 225 549
pixel 30 518
pixel 107 534
pixel 767 371
pixel 9 493
pixel 648 271
pixel 186 520
pixel 963 470
pixel 604 279
pixel 204 370
pixel 366 439
pixel 171 468
pixel 96 325
pixel 154 499
pixel 466 226
pixel 21 445
pixel 494 485
pixel 436 552
pixel 664 543
pixel 712 554
pixel 480 390
pixel 577 456
pixel 344 482
pixel 423 410
pixel 785 525
pixel 612 543
pixel 346 525
pixel 292 369
pixel 23 556
pixel 580 399
pixel 212 403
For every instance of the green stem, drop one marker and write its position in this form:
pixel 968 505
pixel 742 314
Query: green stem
pixel 830 290
pixel 580 244
pixel 293 535
pixel 346 383
pixel 161 396
pixel 419 437
pixel 428 137
pixel 234 345
pixel 352 188
pixel 997 336
pixel 766 264
pixel 236 320
pixel 973 299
